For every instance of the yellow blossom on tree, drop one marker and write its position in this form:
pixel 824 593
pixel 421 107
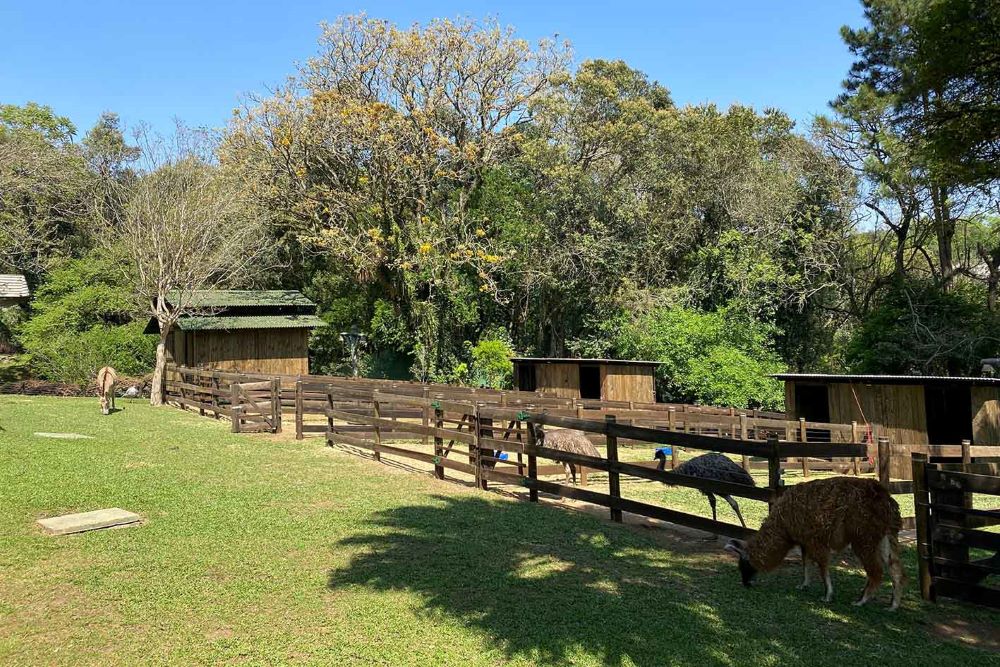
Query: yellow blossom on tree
pixel 480 233
pixel 424 248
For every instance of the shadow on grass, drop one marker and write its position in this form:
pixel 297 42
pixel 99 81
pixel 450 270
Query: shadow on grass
pixel 552 586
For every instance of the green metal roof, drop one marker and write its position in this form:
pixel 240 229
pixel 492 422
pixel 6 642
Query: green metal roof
pixel 230 322
pixel 241 298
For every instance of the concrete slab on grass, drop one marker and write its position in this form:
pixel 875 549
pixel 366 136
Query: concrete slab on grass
pixel 84 521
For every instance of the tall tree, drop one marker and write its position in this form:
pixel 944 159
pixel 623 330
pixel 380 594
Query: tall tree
pixel 375 153
pixel 180 226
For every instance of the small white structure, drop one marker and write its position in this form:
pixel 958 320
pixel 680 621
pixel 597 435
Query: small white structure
pixel 84 521
pixel 13 289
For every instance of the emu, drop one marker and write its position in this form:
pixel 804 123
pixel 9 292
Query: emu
pixel 712 466
pixel 566 440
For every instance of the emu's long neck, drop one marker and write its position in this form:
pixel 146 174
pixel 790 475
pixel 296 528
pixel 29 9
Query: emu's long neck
pixel 661 463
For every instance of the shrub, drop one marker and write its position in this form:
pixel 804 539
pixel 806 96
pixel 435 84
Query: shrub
pixel 82 319
pixel 717 357
pixel 491 364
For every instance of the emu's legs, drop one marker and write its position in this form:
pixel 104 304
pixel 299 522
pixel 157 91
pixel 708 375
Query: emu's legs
pixel 711 501
pixel 736 508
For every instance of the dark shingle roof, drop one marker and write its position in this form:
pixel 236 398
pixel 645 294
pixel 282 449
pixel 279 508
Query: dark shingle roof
pixel 240 298
pixel 231 322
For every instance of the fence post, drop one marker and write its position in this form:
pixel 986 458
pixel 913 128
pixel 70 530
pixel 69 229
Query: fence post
pixel 299 409
pixel 804 437
pixel 966 460
pixel 276 404
pixel 671 425
pixel 235 405
pixel 329 406
pixel 438 443
pixel 920 502
pixel 425 417
pixel 377 414
pixel 477 433
pixel 215 394
pixel 744 435
pixel 237 411
pixel 614 483
pixel 884 456
pixel 532 465
pixel 774 466
pixel 856 461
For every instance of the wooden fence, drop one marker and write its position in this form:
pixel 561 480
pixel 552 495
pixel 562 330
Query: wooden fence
pixel 949 528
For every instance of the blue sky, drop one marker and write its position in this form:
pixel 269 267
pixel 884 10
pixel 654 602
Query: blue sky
pixel 154 61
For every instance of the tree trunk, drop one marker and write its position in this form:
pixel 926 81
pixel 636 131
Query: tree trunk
pixel 159 370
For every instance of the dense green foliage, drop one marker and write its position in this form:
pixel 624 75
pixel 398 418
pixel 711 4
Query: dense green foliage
pixel 84 319
pixel 578 210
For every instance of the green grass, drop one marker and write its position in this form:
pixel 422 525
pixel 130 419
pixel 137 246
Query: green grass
pixel 263 550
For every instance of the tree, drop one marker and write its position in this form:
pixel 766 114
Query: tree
pixel 44 186
pixel 936 61
pixel 374 155
pixel 181 226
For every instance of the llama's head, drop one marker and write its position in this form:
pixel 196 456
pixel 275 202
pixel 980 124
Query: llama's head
pixel 747 570
pixel 105 406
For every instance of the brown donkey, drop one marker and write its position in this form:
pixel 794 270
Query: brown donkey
pixel 106 381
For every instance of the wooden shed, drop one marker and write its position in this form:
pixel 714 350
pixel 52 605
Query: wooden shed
pixel 13 289
pixel 917 410
pixel 262 331
pixel 603 379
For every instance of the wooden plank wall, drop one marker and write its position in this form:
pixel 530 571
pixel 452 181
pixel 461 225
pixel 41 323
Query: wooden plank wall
pixel 986 415
pixel 559 380
pixel 268 351
pixel 627 383
pixel 898 411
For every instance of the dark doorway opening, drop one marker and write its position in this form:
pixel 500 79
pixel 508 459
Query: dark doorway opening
pixel 949 414
pixel 526 377
pixel 812 401
pixel 590 382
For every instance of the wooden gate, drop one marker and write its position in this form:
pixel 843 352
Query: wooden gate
pixel 957 559
pixel 257 406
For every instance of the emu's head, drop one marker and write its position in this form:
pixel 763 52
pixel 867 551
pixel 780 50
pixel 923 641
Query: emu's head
pixel 661 458
pixel 105 407
pixel 539 434
pixel 747 570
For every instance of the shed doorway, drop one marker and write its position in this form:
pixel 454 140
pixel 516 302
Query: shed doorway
pixel 590 382
pixel 949 414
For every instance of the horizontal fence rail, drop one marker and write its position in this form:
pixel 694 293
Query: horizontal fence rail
pixel 389 417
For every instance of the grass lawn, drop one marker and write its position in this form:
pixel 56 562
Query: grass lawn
pixel 263 550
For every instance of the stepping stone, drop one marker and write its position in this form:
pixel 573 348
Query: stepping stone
pixel 64 436
pixel 84 521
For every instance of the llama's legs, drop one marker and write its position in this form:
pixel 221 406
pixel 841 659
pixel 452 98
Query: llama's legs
pixel 823 562
pixel 889 550
pixel 805 572
pixel 736 508
pixel 872 560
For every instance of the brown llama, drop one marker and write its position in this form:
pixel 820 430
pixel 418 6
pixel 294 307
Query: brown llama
pixel 106 381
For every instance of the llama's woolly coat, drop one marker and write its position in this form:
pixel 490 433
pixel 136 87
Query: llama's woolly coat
pixel 823 515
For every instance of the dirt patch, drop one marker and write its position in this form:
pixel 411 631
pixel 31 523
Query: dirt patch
pixel 984 636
